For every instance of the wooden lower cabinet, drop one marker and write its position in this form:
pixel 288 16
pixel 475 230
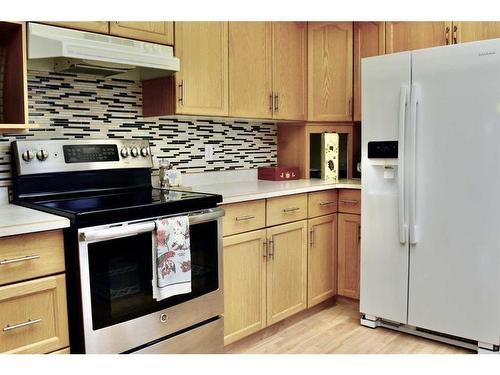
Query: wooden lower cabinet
pixel 244 285
pixel 349 229
pixel 33 316
pixel 265 276
pixel 286 270
pixel 322 262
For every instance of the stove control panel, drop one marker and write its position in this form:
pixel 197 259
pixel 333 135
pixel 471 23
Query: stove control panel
pixel 48 156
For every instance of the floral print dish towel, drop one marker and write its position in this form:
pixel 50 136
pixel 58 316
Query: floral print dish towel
pixel 171 257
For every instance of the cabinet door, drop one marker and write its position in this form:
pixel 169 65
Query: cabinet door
pixel 407 36
pixel 33 316
pixel 92 26
pixel 472 31
pixel 348 255
pixel 330 71
pixel 321 275
pixel 286 270
pixel 250 71
pixel 290 70
pixel 244 285
pixel 369 40
pixel 202 86
pixel 155 32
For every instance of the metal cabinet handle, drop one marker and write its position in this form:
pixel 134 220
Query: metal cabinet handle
pixel 313 239
pixel 290 209
pixel 455 32
pixel 246 217
pixel 348 201
pixel 181 92
pixel 271 101
pixel 271 248
pixel 359 232
pixel 19 259
pixel 276 102
pixel 326 203
pixel 447 35
pixel 350 106
pixel 29 322
pixel 264 245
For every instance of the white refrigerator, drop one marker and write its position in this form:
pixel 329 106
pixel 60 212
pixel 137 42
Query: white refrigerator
pixel 430 222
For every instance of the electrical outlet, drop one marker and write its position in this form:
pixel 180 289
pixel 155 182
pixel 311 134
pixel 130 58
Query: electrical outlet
pixel 209 152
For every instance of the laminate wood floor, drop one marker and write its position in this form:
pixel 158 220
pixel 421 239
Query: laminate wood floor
pixel 336 329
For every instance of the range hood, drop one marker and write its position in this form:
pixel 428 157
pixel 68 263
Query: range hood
pixel 58 49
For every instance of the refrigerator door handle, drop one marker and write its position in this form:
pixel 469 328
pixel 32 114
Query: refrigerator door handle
pixel 402 212
pixel 415 103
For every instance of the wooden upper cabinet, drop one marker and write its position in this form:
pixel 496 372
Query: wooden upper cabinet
pixel 250 70
pixel 407 36
pixel 369 40
pixel 202 82
pixel 92 26
pixel 155 32
pixel 263 83
pixel 472 31
pixel 330 73
pixel 348 255
pixel 290 70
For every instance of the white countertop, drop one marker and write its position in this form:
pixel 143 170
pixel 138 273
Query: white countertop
pixel 240 191
pixel 18 220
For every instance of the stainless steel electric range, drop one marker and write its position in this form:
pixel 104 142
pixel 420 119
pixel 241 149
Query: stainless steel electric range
pixel 104 188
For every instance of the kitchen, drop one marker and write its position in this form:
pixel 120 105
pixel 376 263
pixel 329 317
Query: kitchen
pixel 112 129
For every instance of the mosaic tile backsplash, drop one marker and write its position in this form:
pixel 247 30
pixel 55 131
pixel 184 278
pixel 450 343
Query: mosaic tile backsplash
pixel 81 106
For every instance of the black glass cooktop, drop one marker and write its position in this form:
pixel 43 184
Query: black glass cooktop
pixel 96 209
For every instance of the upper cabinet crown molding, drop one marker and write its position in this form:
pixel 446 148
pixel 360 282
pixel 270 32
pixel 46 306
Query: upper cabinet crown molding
pixel 330 74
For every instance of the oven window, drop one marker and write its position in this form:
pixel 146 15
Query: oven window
pixel 121 274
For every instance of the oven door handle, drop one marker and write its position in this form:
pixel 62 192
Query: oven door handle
pixel 149 226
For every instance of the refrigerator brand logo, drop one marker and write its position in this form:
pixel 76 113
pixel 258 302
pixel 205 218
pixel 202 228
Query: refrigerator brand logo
pixel 487 53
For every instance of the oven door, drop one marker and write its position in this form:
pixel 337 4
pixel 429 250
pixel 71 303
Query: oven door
pixel 119 311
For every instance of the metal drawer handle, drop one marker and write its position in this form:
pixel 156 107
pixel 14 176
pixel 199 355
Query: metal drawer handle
pixel 246 217
pixel 29 322
pixel 349 201
pixel 290 209
pixel 19 259
pixel 326 203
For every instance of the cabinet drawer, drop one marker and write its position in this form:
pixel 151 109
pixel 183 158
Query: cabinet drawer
pixel 33 316
pixel 244 217
pixel 31 255
pixel 350 201
pixel 286 209
pixel 322 203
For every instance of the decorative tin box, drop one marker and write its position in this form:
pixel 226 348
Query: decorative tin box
pixel 278 173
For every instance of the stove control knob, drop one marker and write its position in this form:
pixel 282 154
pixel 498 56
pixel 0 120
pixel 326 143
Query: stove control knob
pixel 28 155
pixel 124 152
pixel 134 152
pixel 144 151
pixel 42 155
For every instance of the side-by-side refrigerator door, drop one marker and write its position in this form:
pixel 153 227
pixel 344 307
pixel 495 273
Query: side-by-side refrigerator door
pixel 384 211
pixel 455 191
